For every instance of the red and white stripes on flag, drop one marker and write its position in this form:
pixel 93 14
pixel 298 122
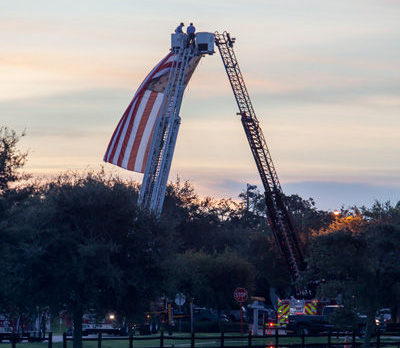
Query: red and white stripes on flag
pixel 130 144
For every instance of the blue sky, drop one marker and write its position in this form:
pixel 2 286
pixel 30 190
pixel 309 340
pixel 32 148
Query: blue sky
pixel 324 77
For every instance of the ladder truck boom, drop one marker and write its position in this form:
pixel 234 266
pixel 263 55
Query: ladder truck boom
pixel 162 147
pixel 279 218
pixel 186 55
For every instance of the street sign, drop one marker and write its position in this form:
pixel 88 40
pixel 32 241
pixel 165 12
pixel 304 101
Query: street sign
pixel 240 294
pixel 180 299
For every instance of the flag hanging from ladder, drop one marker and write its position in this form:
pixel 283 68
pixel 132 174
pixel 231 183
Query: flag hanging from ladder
pixel 130 143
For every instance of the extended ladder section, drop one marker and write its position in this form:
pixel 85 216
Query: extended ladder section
pixel 278 215
pixel 187 52
pixel 162 147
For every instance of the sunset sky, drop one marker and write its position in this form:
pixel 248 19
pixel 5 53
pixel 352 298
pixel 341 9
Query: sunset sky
pixel 324 77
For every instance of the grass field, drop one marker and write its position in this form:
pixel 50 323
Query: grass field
pixel 202 340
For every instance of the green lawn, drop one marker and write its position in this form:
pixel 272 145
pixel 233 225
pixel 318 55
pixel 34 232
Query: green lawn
pixel 202 340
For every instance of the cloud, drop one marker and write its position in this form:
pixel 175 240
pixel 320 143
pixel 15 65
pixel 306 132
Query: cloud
pixel 327 195
pixel 307 144
pixel 333 195
pixel 324 80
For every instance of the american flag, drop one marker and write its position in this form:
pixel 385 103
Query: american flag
pixel 130 143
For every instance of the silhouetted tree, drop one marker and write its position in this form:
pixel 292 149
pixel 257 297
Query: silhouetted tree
pixel 358 257
pixel 211 278
pixel 11 158
pixel 84 244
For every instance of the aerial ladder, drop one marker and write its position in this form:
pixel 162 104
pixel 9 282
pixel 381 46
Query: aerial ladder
pixel 162 147
pixel 279 217
pixel 155 178
pixel 152 192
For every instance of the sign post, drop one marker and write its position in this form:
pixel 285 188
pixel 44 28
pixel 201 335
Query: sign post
pixel 241 317
pixel 240 295
pixel 191 318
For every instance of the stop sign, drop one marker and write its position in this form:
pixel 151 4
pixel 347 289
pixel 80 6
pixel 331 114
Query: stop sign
pixel 240 294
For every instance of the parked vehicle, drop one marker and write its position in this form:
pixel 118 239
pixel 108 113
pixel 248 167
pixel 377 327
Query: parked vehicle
pixel 292 306
pixel 208 314
pixel 92 324
pixel 29 326
pixel 314 324
pixel 6 327
pixel 384 316
pixel 234 314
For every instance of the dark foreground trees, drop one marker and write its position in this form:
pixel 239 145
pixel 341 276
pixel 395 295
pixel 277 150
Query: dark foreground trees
pixel 358 258
pixel 11 161
pixel 84 244
pixel 79 242
pixel 210 278
pixel 11 158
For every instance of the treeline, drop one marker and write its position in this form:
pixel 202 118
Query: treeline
pixel 79 242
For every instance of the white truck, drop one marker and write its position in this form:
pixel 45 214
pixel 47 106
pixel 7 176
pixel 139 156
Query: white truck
pixel 92 324
pixel 31 327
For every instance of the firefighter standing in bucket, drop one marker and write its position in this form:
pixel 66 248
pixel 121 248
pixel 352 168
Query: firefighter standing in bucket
pixel 179 29
pixel 191 33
